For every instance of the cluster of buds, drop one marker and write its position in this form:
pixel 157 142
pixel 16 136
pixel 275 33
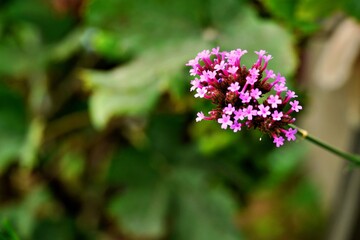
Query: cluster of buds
pixel 252 98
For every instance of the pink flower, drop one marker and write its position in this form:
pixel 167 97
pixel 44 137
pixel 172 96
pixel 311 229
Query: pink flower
pixel 204 55
pixel 215 51
pixel 234 87
pixel 233 69
pixel 220 66
pixel 260 53
pixel 249 112
pixel 274 101
pixel 245 97
pixel 195 84
pixel 279 141
pixel 270 74
pixel 200 116
pixel 225 121
pixel 277 115
pixel 267 58
pixel 291 94
pixel 242 96
pixel 290 134
pixel 211 74
pixel 239 114
pixel 254 72
pixel 263 111
pixel 251 79
pixel 255 93
pixel 193 72
pixel 204 76
pixel 200 92
pixel 229 109
pixel 280 79
pixel 193 62
pixel 280 87
pixel 236 126
pixel 295 106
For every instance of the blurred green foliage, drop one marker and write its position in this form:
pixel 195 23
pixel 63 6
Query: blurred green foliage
pixel 98 139
pixel 305 16
pixel 6 232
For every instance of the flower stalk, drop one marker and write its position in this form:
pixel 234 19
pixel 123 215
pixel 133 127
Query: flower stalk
pixel 252 98
pixel 345 155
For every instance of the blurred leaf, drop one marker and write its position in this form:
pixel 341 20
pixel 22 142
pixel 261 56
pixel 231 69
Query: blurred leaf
pixel 282 8
pixel 98 12
pixel 211 138
pixel 352 7
pixel 211 209
pixel 67 46
pixel 54 229
pixel 23 49
pixel 304 202
pixel 284 161
pixel 32 143
pixel 307 15
pixel 133 168
pixel 223 12
pixel 252 33
pixel 12 125
pixel 23 215
pixel 133 89
pixel 304 15
pixel 42 16
pixel 71 167
pixel 6 232
pixel 304 196
pixel 156 24
pixel 107 103
pixel 166 133
pixel 106 43
pixel 140 212
pixel 309 10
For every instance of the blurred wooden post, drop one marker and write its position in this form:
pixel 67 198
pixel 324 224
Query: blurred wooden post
pixel 333 74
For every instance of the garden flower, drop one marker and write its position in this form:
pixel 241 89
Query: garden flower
pixel 255 97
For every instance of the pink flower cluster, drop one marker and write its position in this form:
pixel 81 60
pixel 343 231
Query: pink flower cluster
pixel 253 98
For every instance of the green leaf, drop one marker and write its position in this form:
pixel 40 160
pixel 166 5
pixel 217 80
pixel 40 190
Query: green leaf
pixel 132 167
pixel 12 125
pixel 165 133
pixel 23 47
pixel 283 162
pixel 67 46
pixel 352 7
pixel 154 27
pixel 6 232
pixel 134 89
pixel 42 16
pixel 54 229
pixel 71 166
pixel 211 138
pixel 249 32
pixel 140 212
pixel 211 209
pixel 23 215
pixel 32 142
pixel 223 12
pixel 309 10
pixel 282 9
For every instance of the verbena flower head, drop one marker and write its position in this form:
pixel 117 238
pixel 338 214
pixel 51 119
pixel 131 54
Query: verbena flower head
pixel 244 97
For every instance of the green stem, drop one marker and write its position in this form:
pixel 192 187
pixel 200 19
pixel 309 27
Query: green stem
pixel 350 157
